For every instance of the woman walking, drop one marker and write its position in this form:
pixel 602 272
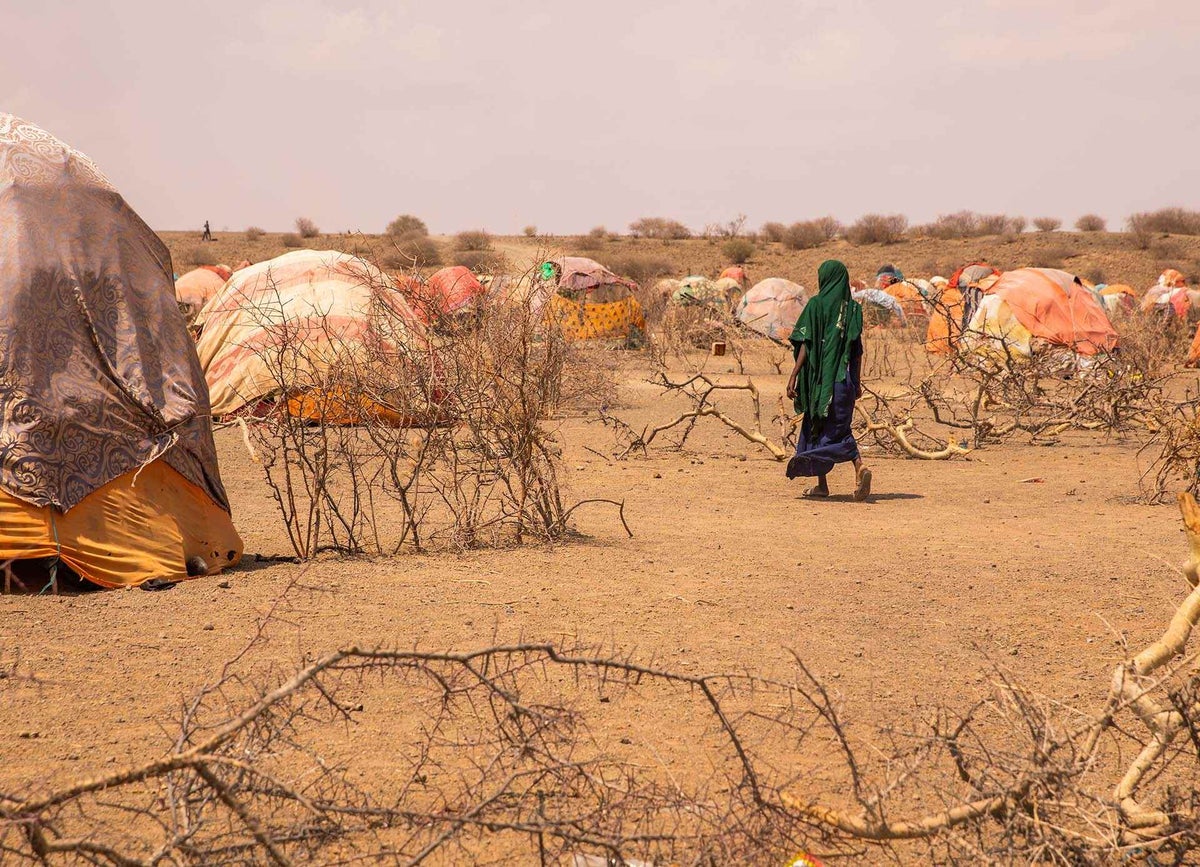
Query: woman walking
pixel 825 382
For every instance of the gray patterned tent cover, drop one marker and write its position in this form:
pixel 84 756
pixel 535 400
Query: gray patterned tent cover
pixel 98 375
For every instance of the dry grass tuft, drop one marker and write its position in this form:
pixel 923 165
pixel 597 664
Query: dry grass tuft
pixel 202 255
pixel 291 240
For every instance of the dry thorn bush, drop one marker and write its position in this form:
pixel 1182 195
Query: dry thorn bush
pixel 306 228
pixel 877 229
pixel 1047 224
pixel 396 440
pixel 494 753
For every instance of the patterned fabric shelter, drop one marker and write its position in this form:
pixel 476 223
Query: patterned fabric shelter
pixel 772 306
pixel 698 290
pixel 107 460
pixel 1042 304
pixel 297 325
pixel 446 293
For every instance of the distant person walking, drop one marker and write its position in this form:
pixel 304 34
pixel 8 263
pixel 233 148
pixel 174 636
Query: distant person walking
pixel 826 381
pixel 207 236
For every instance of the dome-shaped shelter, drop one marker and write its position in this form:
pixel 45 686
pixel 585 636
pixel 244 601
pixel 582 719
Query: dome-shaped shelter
pixel 1040 304
pixel 446 293
pixel 299 326
pixel 107 461
pixel 193 289
pixel 772 306
pixel 587 301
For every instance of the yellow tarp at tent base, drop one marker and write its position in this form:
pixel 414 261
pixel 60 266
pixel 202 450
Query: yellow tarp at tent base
pixel 144 524
pixel 595 321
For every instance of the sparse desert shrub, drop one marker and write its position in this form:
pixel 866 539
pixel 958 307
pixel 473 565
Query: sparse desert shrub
pixel 414 250
pixel 804 236
pixel 968 224
pixel 1171 221
pixel 773 233
pixel 830 227
pixel 201 255
pixel 529 231
pixel 482 261
pixel 473 241
pixel 406 225
pixel 993 224
pixel 307 228
pixel 738 250
pixel 291 240
pixel 1094 273
pixel 253 233
pixel 659 228
pixel 877 229
pixel 1091 223
pixel 593 240
pixel 1047 224
pixel 640 269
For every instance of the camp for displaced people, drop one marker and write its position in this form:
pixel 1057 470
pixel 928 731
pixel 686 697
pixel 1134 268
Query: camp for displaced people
pixel 107 461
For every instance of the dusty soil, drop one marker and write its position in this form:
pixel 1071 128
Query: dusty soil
pixel 900 604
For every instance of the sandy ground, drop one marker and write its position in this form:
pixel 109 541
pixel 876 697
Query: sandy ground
pixel 899 603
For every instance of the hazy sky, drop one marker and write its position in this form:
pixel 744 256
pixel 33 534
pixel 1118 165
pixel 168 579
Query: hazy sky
pixel 569 115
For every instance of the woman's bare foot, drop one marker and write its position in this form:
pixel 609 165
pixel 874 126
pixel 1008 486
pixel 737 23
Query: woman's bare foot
pixel 817 492
pixel 864 485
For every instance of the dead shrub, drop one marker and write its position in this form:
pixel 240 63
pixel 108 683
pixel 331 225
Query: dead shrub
pixel 641 269
pixel 1091 223
pixel 291 240
pixel 406 225
pixel 306 228
pixel 804 236
pixel 1094 273
pixel 1047 224
pixel 473 249
pixel 480 261
pixel 253 233
pixel 201 255
pixel 593 240
pixel 773 233
pixel 830 227
pixel 472 462
pixel 659 228
pixel 1166 248
pixel 1017 225
pixel 1168 221
pixel 412 251
pixel 738 250
pixel 877 229
pixel 529 231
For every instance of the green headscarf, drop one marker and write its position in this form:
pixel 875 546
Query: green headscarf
pixel 830 324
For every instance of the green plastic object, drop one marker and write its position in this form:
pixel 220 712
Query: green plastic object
pixel 547 270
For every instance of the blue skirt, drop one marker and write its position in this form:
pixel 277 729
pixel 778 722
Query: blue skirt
pixel 829 442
